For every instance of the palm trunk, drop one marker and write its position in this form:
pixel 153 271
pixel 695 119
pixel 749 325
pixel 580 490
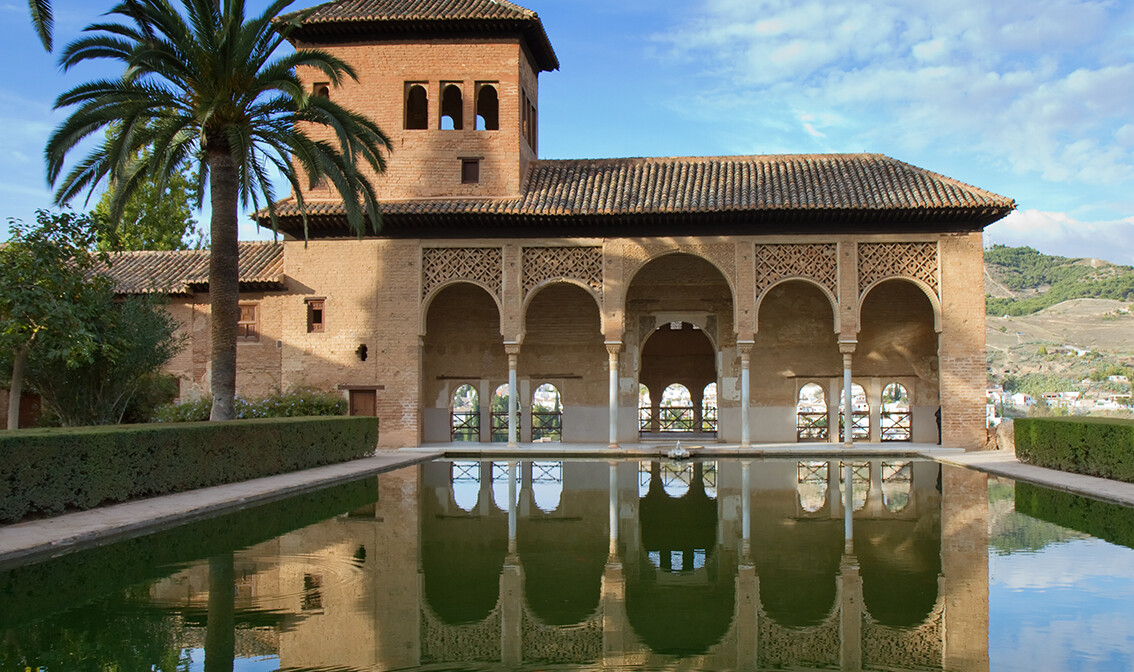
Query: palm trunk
pixel 224 283
pixel 16 389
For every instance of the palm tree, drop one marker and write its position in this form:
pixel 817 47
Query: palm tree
pixel 203 85
pixel 42 20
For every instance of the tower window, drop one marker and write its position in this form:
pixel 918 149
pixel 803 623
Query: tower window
pixel 452 107
pixel 322 90
pixel 417 107
pixel 248 327
pixel 315 316
pixel 487 107
pixel 470 171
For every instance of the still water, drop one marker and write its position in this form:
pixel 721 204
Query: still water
pixel 604 565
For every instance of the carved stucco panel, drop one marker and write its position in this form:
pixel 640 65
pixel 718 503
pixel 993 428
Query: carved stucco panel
pixel 479 264
pixel 878 261
pixel 583 264
pixel 818 262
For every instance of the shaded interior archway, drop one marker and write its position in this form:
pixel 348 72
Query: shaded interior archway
pixel 900 561
pixel 896 340
pixel 678 363
pixel 563 346
pixel 679 315
pixel 462 344
pixel 796 342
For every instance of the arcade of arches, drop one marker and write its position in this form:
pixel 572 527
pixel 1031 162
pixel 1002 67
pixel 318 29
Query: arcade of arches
pixel 727 340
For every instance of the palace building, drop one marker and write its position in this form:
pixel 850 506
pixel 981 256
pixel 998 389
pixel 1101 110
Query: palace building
pixel 608 301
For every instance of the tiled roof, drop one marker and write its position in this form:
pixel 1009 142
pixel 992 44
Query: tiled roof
pixel 187 271
pixel 628 189
pixel 444 16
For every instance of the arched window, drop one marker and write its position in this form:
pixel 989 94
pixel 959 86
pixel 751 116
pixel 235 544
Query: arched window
pixel 897 479
pixel 547 414
pixel 709 408
pixel 811 414
pixel 452 108
pixel 465 414
pixel 417 107
pixel 487 108
pixel 321 90
pixel 811 485
pixel 500 414
pixel 676 410
pixel 860 415
pixel 465 480
pixel 896 418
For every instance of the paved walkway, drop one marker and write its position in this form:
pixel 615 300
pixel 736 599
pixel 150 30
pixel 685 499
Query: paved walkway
pixel 50 537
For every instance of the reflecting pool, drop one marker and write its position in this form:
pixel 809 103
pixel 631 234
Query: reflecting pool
pixel 726 565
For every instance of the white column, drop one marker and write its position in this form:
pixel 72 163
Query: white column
pixel 746 511
pixel 745 394
pixel 513 350
pixel 512 467
pixel 612 348
pixel 847 348
pixel 613 487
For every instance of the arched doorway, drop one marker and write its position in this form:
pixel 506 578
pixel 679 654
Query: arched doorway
pixel 679 329
pixel 547 414
pixel 811 414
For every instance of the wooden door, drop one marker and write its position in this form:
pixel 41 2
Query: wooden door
pixel 363 402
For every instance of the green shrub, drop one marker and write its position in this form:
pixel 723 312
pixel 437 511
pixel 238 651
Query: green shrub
pixel 297 403
pixel 1093 446
pixel 46 471
pixel 1103 520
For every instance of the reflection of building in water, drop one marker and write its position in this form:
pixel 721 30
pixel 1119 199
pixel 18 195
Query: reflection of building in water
pixel 724 565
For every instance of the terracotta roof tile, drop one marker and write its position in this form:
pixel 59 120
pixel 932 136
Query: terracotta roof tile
pixel 444 16
pixel 187 271
pixel 706 185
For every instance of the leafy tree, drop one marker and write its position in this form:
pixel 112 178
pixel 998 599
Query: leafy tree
pixel 202 84
pixel 47 305
pixel 134 336
pixel 154 217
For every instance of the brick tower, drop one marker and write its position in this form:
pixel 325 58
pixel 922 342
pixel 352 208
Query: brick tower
pixel 453 83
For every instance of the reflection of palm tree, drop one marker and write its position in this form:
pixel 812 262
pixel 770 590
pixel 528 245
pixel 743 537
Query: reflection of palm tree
pixel 220 630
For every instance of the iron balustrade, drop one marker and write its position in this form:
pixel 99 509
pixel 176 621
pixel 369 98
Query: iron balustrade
pixel 897 426
pixel 547 426
pixel 465 426
pixel 499 422
pixel 811 426
pixel 709 419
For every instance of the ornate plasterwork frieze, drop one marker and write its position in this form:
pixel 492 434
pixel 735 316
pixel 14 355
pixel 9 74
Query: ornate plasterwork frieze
pixel 482 265
pixel 581 264
pixel 878 261
pixel 818 262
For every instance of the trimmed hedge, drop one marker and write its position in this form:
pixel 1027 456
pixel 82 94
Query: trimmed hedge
pixel 47 471
pixel 1093 446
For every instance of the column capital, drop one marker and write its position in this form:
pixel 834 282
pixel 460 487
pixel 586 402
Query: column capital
pixel 745 347
pixel 613 347
pixel 512 347
pixel 847 347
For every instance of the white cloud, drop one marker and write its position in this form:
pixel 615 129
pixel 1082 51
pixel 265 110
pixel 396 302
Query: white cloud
pixel 1040 87
pixel 1060 234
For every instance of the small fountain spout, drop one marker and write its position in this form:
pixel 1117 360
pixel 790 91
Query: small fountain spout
pixel 677 453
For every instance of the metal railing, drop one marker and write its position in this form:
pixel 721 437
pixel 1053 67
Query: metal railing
pixel 547 426
pixel 897 426
pixel 499 425
pixel 465 426
pixel 860 426
pixel 811 426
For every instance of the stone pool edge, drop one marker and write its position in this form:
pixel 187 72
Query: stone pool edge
pixel 1005 463
pixel 47 538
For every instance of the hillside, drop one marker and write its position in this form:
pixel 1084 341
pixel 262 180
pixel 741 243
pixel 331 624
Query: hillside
pixel 1022 281
pixel 1047 329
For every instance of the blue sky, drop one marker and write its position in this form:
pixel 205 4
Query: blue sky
pixel 1030 99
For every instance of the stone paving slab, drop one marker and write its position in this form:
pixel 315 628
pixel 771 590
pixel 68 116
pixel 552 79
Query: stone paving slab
pixel 51 537
pixel 695 449
pixel 1004 463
